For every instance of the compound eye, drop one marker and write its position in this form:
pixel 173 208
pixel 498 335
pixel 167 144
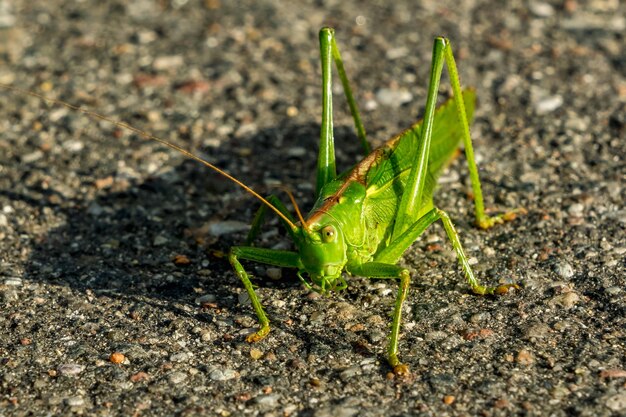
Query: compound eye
pixel 329 234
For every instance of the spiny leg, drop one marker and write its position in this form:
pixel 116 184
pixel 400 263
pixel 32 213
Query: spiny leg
pixel 329 52
pixel 453 236
pixel 412 198
pixel 383 267
pixel 482 220
pixel 354 110
pixel 412 195
pixel 390 271
pixel 326 169
pixel 397 247
pixel 280 258
pixel 394 250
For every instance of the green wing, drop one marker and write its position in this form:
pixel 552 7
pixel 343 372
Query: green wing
pixel 385 178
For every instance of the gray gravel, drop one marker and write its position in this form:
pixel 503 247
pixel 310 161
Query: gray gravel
pixel 111 244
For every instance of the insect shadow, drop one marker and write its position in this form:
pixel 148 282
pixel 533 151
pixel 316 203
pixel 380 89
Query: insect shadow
pixel 132 241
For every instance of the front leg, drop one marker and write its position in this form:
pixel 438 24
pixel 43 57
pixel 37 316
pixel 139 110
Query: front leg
pixel 280 258
pixel 389 271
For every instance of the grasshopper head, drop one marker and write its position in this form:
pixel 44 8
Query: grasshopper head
pixel 322 251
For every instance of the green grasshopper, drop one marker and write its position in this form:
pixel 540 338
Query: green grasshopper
pixel 364 219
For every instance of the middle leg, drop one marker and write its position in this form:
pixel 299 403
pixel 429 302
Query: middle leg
pixel 393 252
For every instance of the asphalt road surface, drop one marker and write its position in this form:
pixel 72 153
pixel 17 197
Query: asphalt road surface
pixel 116 297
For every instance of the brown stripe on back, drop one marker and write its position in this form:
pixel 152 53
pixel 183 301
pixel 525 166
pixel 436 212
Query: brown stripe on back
pixel 358 174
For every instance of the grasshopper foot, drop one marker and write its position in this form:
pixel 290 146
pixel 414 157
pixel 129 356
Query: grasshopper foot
pixel 399 369
pixel 499 290
pixel 258 336
pixel 487 222
pixel 504 288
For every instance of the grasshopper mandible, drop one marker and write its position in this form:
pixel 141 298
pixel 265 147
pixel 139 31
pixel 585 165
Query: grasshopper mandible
pixel 364 219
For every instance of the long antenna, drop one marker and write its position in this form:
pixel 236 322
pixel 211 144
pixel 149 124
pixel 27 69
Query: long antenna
pixel 147 135
pixel 294 204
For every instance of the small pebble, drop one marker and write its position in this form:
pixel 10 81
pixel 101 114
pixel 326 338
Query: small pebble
pixel 274 273
pixel 564 325
pixel 477 318
pixel 397 52
pixel 384 291
pixel 102 183
pixel 524 357
pixel 217 374
pixel 227 227
pixel 179 357
pixel 566 300
pixel 541 9
pixel 448 399
pixel 243 298
pixel 338 411
pixel 292 111
pixel 32 157
pixel 617 402
pixel 205 299
pixel 139 376
pixel 548 104
pixel 73 146
pixel 13 281
pixel 587 22
pixel 176 377
pixel 70 369
pixel 297 152
pixel 317 317
pixel 256 353
pixel 502 403
pixel 7 19
pixel 576 210
pixel 95 209
pixel 478 334
pixel 181 260
pixel 376 336
pixel 117 357
pixel 40 383
pixel 267 402
pixel 564 269
pixel 9 296
pixel 160 241
pixel 75 401
pixel 168 62
pixel 613 290
pixel 290 409
pixel 435 335
pixel 393 98
pixel 537 331
pixel 350 372
pixel 613 373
